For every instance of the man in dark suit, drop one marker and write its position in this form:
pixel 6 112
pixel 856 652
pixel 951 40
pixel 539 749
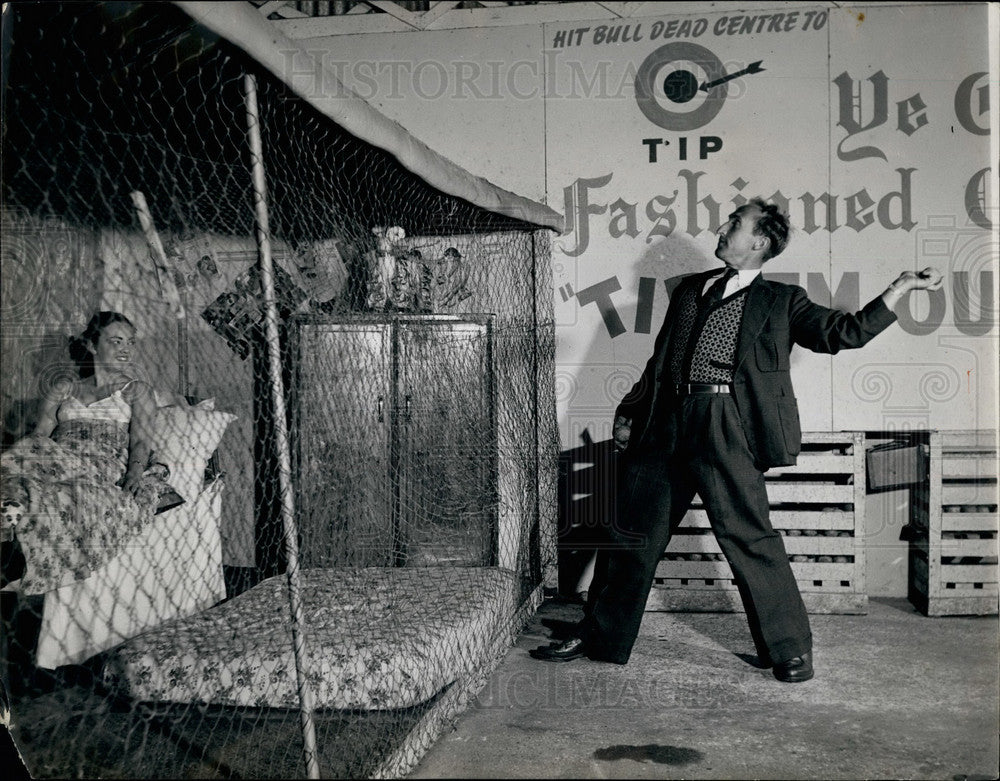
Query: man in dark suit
pixel 713 410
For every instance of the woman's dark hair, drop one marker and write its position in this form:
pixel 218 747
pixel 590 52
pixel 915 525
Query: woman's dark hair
pixel 79 345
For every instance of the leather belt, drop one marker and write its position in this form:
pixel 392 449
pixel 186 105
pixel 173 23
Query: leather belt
pixel 691 388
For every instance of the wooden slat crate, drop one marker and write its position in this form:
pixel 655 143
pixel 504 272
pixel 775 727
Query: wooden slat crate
pixel 953 558
pixel 817 505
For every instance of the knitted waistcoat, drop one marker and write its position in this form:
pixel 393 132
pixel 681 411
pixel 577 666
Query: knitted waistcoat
pixel 703 344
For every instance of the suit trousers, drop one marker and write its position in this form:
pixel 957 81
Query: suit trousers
pixel 700 448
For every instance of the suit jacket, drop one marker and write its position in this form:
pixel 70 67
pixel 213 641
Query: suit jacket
pixel 775 317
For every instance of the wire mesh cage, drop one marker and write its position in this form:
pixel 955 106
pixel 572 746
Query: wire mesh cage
pixel 279 437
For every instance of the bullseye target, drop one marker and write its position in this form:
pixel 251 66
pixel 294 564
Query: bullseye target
pixel 669 86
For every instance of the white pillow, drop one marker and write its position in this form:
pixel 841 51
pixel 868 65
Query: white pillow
pixel 165 398
pixel 184 438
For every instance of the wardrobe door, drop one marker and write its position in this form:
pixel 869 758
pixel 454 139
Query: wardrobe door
pixel 342 424
pixel 446 505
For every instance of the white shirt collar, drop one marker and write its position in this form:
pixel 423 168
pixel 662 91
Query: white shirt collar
pixel 743 278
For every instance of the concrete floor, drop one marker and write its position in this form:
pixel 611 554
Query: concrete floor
pixel 896 695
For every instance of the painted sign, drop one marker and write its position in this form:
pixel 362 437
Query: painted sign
pixel 873 138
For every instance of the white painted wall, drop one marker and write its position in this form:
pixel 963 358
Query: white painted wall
pixel 883 109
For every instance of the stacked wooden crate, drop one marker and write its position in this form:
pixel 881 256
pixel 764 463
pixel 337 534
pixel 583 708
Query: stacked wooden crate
pixel 818 506
pixel 953 517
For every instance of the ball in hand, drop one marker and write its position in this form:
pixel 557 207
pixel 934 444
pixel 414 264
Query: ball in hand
pixel 931 276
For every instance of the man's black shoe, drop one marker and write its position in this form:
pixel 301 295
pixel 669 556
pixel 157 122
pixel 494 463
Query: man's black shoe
pixel 566 651
pixel 795 670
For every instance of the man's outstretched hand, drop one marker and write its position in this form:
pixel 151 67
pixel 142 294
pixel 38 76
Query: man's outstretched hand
pixel 622 431
pixel 928 279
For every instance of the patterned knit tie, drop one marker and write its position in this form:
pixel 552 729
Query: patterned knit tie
pixel 714 294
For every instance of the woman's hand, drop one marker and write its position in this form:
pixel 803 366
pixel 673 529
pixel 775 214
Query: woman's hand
pixel 133 479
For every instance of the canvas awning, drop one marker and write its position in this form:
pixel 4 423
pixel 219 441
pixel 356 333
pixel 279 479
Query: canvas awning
pixel 309 78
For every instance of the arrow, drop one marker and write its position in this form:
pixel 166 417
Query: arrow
pixel 753 67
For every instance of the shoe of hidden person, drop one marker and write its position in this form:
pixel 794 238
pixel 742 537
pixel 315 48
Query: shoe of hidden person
pixel 566 651
pixel 795 670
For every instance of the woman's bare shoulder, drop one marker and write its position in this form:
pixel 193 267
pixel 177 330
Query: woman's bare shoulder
pixel 59 390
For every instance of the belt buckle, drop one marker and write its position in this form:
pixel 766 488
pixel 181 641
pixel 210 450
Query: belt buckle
pixel 692 388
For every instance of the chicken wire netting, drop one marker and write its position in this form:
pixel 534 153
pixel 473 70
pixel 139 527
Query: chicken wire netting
pixel 285 508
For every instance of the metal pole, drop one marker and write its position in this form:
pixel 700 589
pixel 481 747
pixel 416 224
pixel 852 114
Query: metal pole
pixel 184 347
pixel 280 428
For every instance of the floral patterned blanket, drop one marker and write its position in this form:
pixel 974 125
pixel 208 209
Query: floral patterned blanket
pixel 375 638
pixel 75 518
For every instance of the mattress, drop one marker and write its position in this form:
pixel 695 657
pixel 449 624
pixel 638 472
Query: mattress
pixel 375 638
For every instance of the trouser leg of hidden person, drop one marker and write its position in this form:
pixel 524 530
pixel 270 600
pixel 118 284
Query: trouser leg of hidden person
pixel 599 578
pixel 735 497
pixel 653 498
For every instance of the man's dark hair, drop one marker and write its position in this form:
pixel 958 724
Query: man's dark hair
pixel 772 224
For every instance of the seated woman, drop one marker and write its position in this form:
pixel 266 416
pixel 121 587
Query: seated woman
pixel 77 489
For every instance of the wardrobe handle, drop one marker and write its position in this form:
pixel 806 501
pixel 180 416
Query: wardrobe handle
pixel 381 405
pixel 409 399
